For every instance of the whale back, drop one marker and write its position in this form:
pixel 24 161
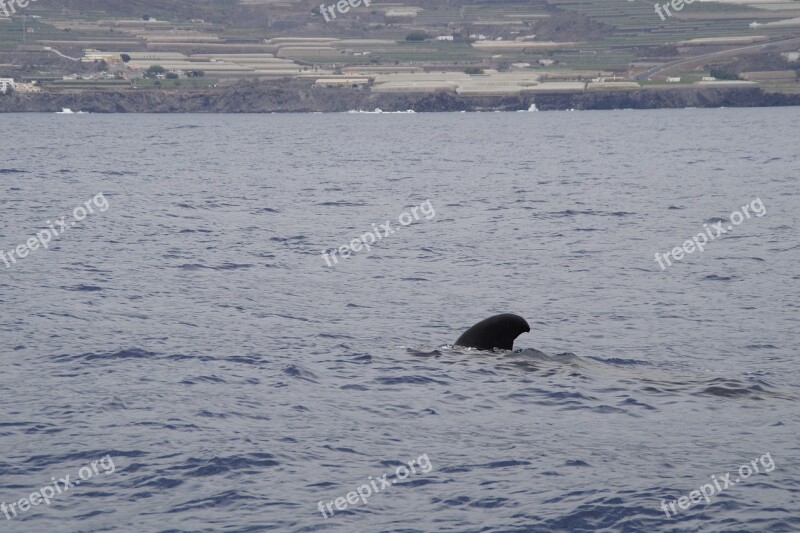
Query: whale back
pixel 498 331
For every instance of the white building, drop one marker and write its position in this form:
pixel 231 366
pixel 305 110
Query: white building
pixel 400 15
pixel 445 38
pixel 90 55
pixel 791 57
pixel 5 84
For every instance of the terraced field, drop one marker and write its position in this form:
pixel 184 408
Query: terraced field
pixel 229 40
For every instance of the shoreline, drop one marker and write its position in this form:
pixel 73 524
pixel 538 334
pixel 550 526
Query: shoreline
pixel 294 98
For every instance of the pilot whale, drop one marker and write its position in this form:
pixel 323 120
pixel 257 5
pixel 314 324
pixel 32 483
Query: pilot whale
pixel 498 331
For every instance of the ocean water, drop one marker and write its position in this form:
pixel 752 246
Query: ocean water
pixel 189 338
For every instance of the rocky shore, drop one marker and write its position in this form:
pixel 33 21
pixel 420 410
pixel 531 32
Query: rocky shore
pixel 292 97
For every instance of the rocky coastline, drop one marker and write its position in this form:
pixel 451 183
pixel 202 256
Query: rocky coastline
pixel 296 98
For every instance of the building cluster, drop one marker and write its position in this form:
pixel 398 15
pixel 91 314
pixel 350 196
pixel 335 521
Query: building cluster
pixel 8 85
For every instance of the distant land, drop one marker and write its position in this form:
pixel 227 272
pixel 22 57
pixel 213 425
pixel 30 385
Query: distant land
pixel 427 55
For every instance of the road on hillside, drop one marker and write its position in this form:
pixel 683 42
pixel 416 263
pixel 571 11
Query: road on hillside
pixel 672 64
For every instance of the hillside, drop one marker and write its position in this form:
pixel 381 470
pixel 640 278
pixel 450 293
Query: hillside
pixel 468 48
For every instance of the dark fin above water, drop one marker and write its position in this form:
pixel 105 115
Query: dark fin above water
pixel 498 331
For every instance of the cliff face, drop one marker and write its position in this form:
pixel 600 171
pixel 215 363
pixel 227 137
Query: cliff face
pixel 293 98
pixel 672 98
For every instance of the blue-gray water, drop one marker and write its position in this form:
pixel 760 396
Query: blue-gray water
pixel 193 332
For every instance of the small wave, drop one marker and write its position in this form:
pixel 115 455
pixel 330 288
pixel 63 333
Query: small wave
pixel 133 353
pixel 342 449
pixel 160 482
pixel 571 213
pixel 83 288
pixel 424 353
pixel 205 379
pixel 727 392
pixel 201 467
pixel 288 239
pixel 223 266
pixel 342 203
pixel 491 503
pixel 118 173
pixel 223 499
pixel 296 371
pixel 412 380
pixel 620 361
pixel 576 462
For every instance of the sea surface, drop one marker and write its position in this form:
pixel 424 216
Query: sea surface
pixel 192 333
